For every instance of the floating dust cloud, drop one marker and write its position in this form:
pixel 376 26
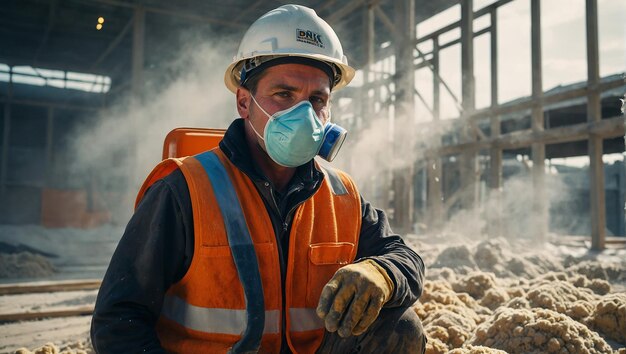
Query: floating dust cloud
pixel 492 297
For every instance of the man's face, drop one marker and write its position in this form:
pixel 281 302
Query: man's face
pixel 283 86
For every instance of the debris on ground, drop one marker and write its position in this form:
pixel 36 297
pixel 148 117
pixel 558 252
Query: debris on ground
pixel 487 299
pixel 25 265
pixel 78 347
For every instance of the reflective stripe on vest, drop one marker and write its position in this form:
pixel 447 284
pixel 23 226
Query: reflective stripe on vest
pixel 234 321
pixel 210 299
pixel 242 250
pixel 224 321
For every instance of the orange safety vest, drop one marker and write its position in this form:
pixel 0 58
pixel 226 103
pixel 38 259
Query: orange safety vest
pixel 205 312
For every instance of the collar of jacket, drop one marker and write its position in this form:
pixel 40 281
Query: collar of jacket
pixel 235 147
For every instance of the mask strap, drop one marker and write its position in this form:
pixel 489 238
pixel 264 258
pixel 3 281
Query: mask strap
pixel 254 130
pixel 261 108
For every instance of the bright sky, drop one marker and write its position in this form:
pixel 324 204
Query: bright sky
pixel 563 49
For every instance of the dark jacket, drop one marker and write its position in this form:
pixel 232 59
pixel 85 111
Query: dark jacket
pixel 157 246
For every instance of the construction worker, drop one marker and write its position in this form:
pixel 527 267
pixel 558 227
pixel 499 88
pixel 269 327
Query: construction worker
pixel 253 246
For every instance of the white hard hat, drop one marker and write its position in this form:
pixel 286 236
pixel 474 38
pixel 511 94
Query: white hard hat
pixel 290 31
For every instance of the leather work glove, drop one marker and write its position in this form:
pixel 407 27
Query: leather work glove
pixel 352 299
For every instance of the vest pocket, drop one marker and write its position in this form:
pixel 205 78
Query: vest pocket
pixel 216 271
pixel 216 274
pixel 324 260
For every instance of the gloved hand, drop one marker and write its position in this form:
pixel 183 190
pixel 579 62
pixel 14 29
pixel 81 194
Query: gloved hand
pixel 352 299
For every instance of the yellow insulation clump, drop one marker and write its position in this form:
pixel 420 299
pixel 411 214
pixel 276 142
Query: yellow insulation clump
pixel 493 300
pixel 537 331
pixel 50 348
pixel 609 317
pixel 470 349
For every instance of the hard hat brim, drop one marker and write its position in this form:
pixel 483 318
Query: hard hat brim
pixel 231 78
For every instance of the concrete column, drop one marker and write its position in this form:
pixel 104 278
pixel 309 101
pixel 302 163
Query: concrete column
pixel 433 166
pixel 538 150
pixel 468 163
pixel 49 142
pixel 436 81
pixel 404 121
pixel 137 82
pixel 495 166
pixel 594 114
pixel 139 24
pixel 6 133
pixel 367 104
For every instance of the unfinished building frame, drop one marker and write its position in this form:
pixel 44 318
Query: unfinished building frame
pixel 388 35
pixel 408 59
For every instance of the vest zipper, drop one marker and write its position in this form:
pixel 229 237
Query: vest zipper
pixel 283 268
pixel 283 263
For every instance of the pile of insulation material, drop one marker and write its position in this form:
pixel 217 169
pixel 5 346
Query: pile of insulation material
pixel 487 299
pixel 499 297
pixel 79 347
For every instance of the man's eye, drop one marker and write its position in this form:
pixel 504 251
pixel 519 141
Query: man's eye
pixel 317 99
pixel 283 94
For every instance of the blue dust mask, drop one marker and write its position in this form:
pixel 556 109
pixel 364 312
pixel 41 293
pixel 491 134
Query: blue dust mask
pixel 292 136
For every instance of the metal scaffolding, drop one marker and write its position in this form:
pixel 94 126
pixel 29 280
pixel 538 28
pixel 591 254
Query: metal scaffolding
pixel 473 139
pixel 388 51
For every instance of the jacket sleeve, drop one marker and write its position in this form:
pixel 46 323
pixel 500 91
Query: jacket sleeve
pixel 404 266
pixel 154 252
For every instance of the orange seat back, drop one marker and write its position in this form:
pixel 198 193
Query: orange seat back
pixel 191 141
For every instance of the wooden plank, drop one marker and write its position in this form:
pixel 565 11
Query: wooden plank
pixel 548 98
pixel 34 334
pixel 25 316
pixel 606 128
pixel 349 8
pixel 49 286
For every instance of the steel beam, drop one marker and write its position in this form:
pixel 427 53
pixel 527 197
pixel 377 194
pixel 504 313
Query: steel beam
pixel 49 140
pixel 114 43
pixel 174 13
pixel 46 35
pixel 343 11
